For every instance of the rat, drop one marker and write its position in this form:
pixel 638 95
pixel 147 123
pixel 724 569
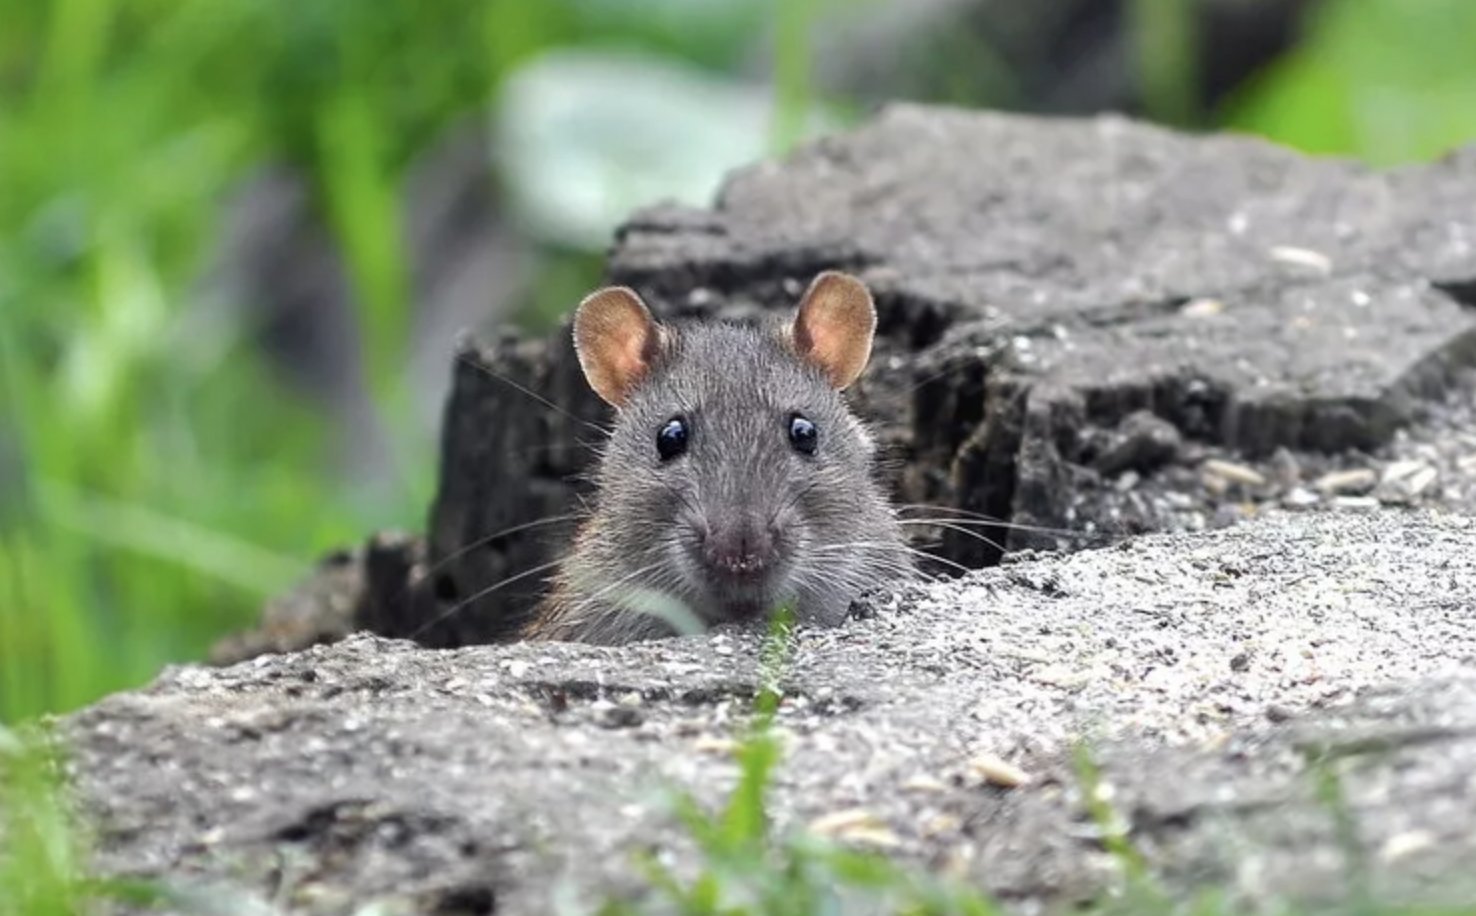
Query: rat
pixel 735 480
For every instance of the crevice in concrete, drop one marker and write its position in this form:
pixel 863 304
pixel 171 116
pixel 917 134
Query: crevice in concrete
pixel 1462 291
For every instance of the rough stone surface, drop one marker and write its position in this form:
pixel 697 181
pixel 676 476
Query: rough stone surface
pixel 1089 329
pixel 1218 677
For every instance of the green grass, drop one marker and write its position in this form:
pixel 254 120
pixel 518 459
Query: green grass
pixel 158 481
pixel 1165 45
pixel 43 855
pixel 1386 81
pixel 792 89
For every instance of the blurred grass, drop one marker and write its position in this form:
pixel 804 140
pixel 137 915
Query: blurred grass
pixel 792 89
pixel 158 481
pixel 1165 51
pixel 41 862
pixel 1386 81
pixel 43 855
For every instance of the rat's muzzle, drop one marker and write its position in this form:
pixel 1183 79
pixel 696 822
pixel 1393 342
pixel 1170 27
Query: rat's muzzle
pixel 740 553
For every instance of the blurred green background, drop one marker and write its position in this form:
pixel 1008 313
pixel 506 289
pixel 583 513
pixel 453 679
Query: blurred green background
pixel 236 236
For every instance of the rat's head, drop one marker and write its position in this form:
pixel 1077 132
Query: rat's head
pixel 735 478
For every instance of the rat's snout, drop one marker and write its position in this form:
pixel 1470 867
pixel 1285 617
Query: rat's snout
pixel 744 549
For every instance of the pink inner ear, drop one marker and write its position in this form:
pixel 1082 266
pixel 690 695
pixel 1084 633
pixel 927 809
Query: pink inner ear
pixel 615 339
pixel 834 327
pixel 625 358
pixel 823 346
pixel 804 338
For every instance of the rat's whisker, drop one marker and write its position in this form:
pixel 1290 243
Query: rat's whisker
pixel 952 510
pixel 959 529
pixel 980 518
pixel 1005 526
pixel 465 549
pixel 444 615
pixel 682 498
pixel 918 552
pixel 873 564
pixel 478 364
pixel 488 538
pixel 549 448
pixel 929 379
pixel 663 585
pixel 594 597
pixel 852 545
pixel 862 579
pixel 829 579
pixel 794 499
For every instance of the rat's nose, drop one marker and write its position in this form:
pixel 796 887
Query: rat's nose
pixel 743 550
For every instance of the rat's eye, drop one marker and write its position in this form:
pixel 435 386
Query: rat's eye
pixel 803 435
pixel 671 439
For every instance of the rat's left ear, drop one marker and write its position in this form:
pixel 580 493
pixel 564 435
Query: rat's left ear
pixel 834 327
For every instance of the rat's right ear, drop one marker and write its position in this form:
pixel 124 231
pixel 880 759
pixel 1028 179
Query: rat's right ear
pixel 616 340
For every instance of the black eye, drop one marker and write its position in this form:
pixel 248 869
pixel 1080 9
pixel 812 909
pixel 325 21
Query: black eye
pixel 803 435
pixel 671 440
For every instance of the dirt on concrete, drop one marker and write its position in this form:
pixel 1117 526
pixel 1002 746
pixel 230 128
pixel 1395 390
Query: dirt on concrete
pixel 1217 678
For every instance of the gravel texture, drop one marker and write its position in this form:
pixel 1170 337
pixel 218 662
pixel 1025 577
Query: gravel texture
pixel 1214 676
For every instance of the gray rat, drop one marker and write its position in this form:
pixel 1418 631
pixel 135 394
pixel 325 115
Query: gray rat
pixel 735 480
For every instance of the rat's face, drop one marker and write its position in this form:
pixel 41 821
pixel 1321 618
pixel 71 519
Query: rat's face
pixel 735 479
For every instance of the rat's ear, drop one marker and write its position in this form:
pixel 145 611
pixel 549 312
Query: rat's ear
pixel 616 340
pixel 834 326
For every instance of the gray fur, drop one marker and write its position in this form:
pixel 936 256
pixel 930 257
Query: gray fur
pixel 738 386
